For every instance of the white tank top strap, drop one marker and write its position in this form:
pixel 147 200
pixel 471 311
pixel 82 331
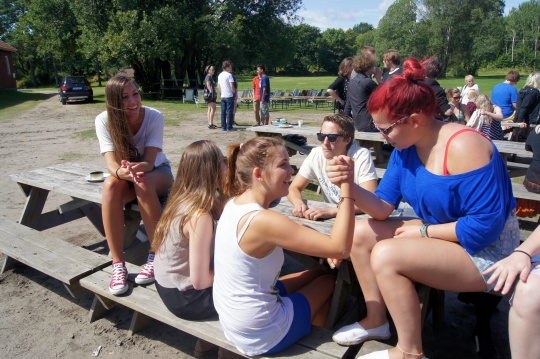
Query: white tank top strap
pixel 246 225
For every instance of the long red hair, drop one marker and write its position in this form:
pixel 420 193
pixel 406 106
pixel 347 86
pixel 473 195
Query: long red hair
pixel 406 94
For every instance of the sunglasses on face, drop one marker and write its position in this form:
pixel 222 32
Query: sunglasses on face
pixel 332 137
pixel 456 98
pixel 386 131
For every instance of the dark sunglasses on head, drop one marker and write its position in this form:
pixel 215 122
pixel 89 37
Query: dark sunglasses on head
pixel 332 137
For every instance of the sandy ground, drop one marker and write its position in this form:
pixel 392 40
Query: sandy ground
pixel 38 319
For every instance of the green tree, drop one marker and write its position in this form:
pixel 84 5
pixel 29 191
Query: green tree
pixel 333 48
pixel 397 27
pixel 304 43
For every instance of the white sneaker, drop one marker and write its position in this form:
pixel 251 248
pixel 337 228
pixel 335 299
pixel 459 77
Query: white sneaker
pixel 118 283
pixel 355 334
pixel 146 275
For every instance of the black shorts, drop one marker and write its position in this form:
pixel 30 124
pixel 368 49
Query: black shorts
pixel 191 304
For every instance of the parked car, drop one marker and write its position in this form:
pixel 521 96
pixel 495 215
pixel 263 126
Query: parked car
pixel 75 88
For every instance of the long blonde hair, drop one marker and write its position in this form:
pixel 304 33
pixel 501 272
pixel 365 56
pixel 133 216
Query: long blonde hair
pixel 194 190
pixel 121 136
pixel 483 102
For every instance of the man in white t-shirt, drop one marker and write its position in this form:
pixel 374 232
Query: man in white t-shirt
pixel 227 90
pixel 337 138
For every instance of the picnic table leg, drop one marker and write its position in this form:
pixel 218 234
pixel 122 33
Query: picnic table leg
pixel 138 322
pixel 342 290
pixel 34 207
pixel 100 306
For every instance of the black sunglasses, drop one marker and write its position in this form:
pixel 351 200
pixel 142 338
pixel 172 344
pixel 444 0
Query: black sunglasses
pixel 332 137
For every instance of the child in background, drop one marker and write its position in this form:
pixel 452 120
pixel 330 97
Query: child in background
pixel 472 95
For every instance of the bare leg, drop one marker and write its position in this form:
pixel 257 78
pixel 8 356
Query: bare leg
pixel 211 112
pixel 397 263
pixel 316 286
pixel 524 317
pixel 157 184
pixel 294 281
pixel 318 293
pixel 115 193
pixel 367 233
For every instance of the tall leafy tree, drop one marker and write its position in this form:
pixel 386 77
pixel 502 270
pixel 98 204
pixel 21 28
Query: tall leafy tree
pixel 333 48
pixel 397 28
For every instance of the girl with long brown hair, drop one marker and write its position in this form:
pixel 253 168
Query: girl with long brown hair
pixel 184 238
pixel 131 140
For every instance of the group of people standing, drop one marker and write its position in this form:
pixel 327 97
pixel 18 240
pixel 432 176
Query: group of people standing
pixel 464 237
pixel 228 88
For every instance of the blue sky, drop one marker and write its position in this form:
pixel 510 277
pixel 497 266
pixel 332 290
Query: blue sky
pixel 345 14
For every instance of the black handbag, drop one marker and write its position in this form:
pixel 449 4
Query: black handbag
pixel 208 94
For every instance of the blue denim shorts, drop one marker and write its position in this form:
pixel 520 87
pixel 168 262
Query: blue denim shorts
pixel 164 168
pixel 301 324
pixel 501 248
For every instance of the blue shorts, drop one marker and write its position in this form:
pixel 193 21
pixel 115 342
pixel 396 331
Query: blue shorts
pixel 301 324
pixel 265 112
pixel 164 168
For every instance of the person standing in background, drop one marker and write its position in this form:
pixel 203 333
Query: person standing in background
pixel 226 88
pixel 338 88
pixel 256 86
pixel 377 72
pixel 391 61
pixel 433 70
pixel 264 94
pixel 235 85
pixel 360 88
pixel 211 86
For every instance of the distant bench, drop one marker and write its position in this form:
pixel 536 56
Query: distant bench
pixel 61 260
pixel 147 305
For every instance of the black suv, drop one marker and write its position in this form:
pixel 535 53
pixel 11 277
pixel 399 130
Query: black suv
pixel 75 88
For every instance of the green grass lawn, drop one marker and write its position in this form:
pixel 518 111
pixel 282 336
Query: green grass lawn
pixel 13 102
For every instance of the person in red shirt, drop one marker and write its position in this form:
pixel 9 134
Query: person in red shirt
pixel 257 98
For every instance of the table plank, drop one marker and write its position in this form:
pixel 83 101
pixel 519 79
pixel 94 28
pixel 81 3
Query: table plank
pixel 68 179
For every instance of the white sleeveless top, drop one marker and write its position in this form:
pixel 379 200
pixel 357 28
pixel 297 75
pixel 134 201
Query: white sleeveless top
pixel 253 316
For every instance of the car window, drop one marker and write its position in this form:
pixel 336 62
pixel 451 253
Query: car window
pixel 75 81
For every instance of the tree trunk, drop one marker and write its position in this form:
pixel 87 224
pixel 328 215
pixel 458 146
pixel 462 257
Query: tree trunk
pixel 32 71
pixel 513 44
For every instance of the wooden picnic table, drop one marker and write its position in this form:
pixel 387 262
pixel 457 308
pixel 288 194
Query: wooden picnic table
pixel 68 179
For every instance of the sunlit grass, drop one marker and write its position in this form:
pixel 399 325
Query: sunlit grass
pixel 89 134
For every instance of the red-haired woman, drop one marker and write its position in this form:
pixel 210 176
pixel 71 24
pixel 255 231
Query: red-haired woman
pixel 466 213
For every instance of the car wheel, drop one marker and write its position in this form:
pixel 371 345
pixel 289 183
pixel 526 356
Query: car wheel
pixel 64 100
pixel 90 99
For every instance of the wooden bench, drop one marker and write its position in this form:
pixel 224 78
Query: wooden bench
pixel 147 305
pixel 54 257
pixel 521 192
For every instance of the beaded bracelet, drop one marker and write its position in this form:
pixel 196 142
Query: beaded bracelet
pixel 423 229
pixel 520 251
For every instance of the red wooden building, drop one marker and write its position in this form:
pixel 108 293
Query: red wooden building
pixel 7 70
